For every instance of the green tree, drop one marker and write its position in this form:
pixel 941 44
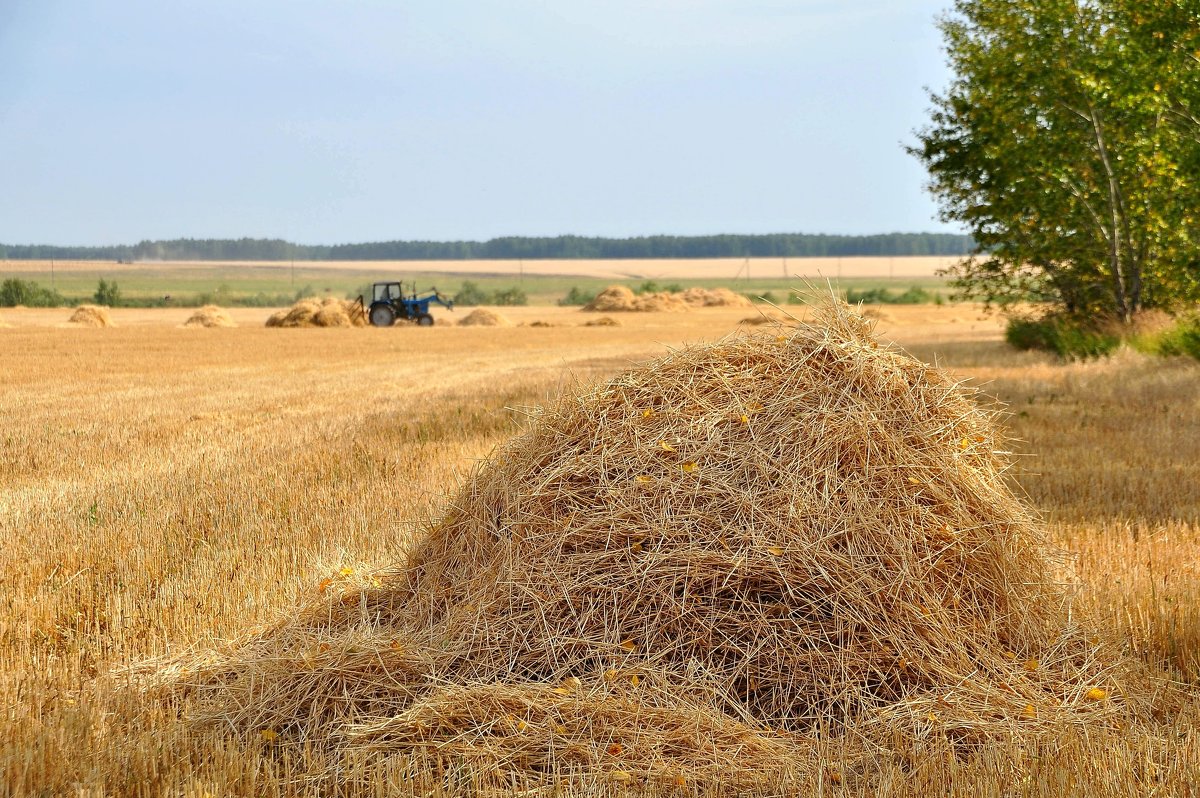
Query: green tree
pixel 1068 144
pixel 107 293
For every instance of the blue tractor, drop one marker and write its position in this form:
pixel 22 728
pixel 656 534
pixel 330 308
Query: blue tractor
pixel 388 303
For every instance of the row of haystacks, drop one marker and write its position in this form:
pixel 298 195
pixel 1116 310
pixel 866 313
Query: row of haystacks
pixel 709 570
pixel 327 312
pixel 621 299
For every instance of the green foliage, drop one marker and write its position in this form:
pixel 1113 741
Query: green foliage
pixel 471 294
pixel 652 287
pixel 766 296
pixel 14 291
pixel 1068 144
pixel 107 293
pixel 882 296
pixel 1181 340
pixel 510 296
pixel 577 296
pixel 1069 338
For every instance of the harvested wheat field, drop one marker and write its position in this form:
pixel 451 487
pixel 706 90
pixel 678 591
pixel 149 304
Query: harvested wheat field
pixel 91 316
pixel 794 560
pixel 327 312
pixel 482 317
pixel 210 316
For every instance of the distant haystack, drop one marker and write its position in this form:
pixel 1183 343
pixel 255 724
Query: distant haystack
pixel 603 321
pixel 482 317
pixel 210 316
pixel 91 316
pixel 620 299
pixel 714 298
pixel 327 312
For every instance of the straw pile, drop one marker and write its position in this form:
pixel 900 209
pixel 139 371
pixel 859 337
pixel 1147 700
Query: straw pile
pixel 714 298
pixel 603 321
pixel 327 312
pixel 708 570
pixel 210 316
pixel 91 316
pixel 482 317
pixel 620 299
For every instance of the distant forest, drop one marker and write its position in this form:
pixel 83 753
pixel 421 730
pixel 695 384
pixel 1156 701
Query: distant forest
pixel 793 245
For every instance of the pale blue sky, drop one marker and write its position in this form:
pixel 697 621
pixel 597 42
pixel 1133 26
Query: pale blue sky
pixel 363 120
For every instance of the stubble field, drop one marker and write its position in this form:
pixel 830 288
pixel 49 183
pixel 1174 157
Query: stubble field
pixel 163 489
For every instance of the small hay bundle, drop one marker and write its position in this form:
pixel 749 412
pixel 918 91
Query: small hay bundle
pixel 691 572
pixel 91 316
pixel 312 312
pixel 603 321
pixel 210 316
pixel 482 317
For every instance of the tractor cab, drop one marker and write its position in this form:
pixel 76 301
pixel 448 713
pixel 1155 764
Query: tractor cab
pixel 389 303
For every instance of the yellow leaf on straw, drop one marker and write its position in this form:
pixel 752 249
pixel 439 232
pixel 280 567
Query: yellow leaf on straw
pixel 647 413
pixel 933 717
pixel 776 550
pixel 615 749
pixel 666 447
pixel 745 419
pixel 629 645
pixel 560 729
pixel 1096 694
pixel 1010 655
pixel 346 570
pixel 690 466
pixel 754 407
pixel 620 776
pixel 1030 665
pixel 610 675
pixel 636 547
pixel 914 481
pixel 634 680
pixel 268 735
pixel 680 781
pixel 522 725
pixel 1029 712
pixel 645 480
pixel 964 443
pixel 572 683
pixel 324 584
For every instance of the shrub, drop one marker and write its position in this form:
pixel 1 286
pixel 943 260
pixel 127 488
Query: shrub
pixel 1069 338
pixel 1182 339
pixel 107 293
pixel 882 296
pixel 14 291
pixel 510 296
pixel 577 297
pixel 471 294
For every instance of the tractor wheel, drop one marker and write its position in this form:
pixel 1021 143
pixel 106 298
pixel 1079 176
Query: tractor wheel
pixel 382 316
pixel 425 320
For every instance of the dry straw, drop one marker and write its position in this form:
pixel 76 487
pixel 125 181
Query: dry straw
pixel 210 316
pixel 327 312
pixel 482 317
pixel 618 298
pixel 91 316
pixel 708 570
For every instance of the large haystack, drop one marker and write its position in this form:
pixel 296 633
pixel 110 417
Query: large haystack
pixel 482 317
pixel 694 572
pixel 327 312
pixel 91 316
pixel 210 316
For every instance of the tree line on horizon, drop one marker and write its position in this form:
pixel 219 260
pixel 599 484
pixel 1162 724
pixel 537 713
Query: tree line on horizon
pixel 567 247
